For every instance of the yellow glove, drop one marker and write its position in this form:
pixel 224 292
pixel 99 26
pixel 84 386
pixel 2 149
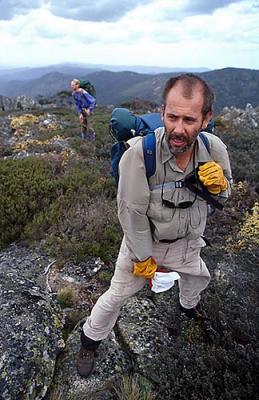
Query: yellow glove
pixel 212 176
pixel 146 268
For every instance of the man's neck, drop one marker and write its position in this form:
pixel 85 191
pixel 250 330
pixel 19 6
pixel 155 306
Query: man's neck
pixel 183 159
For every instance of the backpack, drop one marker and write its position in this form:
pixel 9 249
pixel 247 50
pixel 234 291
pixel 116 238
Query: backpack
pixel 124 125
pixel 210 127
pixel 88 86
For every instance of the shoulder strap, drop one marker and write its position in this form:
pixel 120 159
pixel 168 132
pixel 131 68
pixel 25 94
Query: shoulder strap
pixel 204 194
pixel 149 152
pixel 205 141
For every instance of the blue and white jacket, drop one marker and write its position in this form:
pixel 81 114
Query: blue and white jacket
pixel 83 99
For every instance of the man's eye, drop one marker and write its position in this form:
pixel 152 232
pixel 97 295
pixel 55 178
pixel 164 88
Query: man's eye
pixel 189 121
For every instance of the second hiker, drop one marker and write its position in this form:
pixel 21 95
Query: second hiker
pixel 85 104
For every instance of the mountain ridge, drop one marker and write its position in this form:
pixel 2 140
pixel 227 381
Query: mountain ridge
pixel 232 86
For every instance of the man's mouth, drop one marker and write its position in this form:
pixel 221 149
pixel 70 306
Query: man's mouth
pixel 177 141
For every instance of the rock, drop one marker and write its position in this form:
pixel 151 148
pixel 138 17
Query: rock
pixel 111 363
pixel 247 119
pixel 17 103
pixel 214 359
pixel 30 335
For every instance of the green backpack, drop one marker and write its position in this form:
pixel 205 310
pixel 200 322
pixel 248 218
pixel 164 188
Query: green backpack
pixel 88 86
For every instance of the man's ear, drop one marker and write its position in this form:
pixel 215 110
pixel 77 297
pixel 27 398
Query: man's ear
pixel 206 120
pixel 162 111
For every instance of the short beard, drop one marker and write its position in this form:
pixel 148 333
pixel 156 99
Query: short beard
pixel 179 150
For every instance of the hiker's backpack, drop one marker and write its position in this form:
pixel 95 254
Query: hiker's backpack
pixel 210 127
pixel 124 125
pixel 88 86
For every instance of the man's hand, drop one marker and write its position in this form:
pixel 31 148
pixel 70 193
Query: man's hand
pixel 87 111
pixel 211 175
pixel 145 269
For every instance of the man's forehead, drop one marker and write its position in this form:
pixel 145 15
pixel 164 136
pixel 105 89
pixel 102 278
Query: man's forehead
pixel 187 90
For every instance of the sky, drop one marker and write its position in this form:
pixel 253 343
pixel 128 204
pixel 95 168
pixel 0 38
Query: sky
pixel 170 33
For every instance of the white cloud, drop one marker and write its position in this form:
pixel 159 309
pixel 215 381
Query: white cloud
pixel 11 8
pixel 101 10
pixel 146 34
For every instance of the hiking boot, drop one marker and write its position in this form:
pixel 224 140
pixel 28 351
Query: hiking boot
pixel 194 313
pixel 85 362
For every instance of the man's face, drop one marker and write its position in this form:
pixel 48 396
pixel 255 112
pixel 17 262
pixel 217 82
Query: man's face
pixel 74 86
pixel 183 118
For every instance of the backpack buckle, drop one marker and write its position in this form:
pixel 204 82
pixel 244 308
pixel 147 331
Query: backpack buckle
pixel 179 184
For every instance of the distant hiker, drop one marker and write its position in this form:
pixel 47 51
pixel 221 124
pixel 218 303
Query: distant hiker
pixel 162 219
pixel 85 104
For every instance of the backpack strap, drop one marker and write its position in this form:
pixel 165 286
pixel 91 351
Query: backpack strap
pixel 203 193
pixel 205 141
pixel 149 152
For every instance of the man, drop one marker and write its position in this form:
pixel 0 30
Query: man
pixel 163 222
pixel 85 104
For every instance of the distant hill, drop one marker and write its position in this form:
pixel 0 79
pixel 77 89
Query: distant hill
pixel 79 69
pixel 38 72
pixel 233 86
pixel 46 85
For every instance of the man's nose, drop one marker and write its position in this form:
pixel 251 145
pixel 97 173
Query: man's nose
pixel 179 126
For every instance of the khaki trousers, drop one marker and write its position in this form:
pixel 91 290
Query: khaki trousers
pixel 182 256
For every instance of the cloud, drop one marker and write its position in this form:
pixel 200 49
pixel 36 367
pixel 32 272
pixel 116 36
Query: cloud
pixel 198 36
pixel 98 10
pixel 95 10
pixel 11 8
pixel 206 7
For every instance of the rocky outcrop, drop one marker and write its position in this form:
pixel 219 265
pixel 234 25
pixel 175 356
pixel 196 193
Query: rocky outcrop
pixel 212 359
pixel 112 363
pixel 30 334
pixel 18 103
pixel 215 358
pixel 62 99
pixel 247 118
pixel 30 134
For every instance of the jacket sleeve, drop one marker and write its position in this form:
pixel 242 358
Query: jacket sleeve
pixel 89 101
pixel 78 103
pixel 220 155
pixel 133 201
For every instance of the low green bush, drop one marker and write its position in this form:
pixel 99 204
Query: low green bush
pixel 65 204
pixel 242 145
pixel 25 189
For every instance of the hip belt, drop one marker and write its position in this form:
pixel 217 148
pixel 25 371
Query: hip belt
pixel 169 241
